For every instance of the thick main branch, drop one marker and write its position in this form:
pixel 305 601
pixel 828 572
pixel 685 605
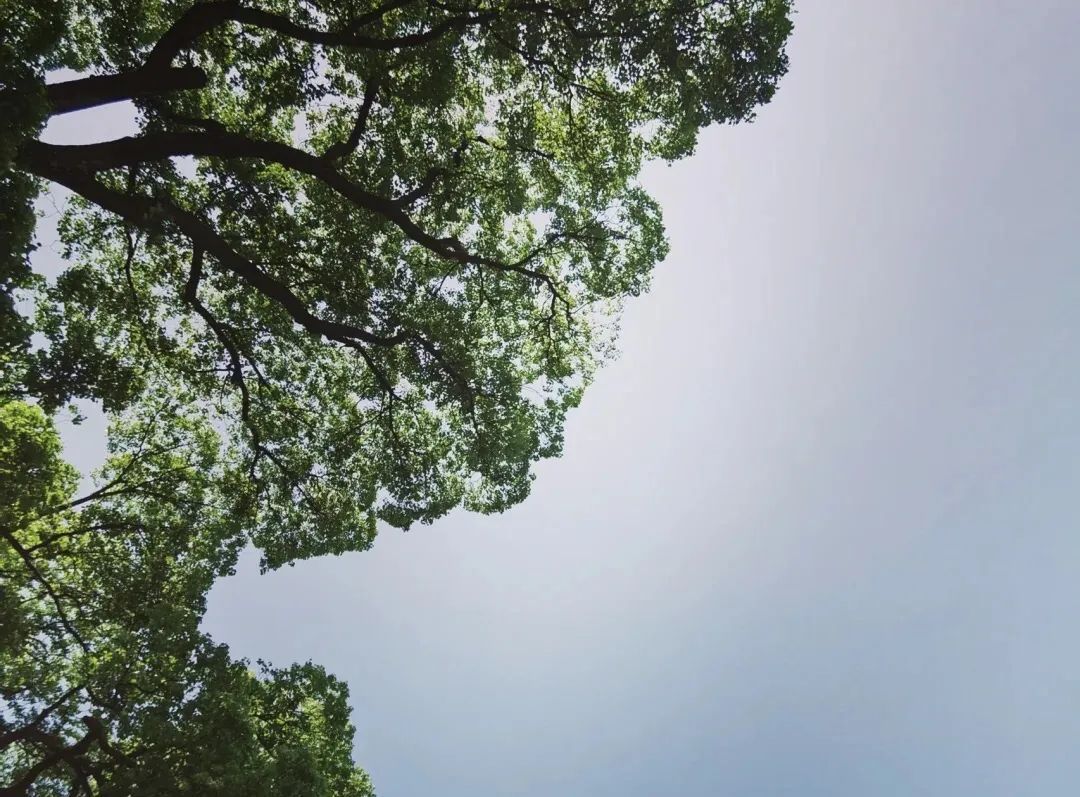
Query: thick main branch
pixel 89 92
pixel 204 17
pixel 223 144
pixel 159 214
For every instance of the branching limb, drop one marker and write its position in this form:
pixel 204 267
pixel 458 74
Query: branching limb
pixel 66 165
pixel 161 214
pixel 204 17
pixel 89 92
pixel 38 576
pixel 343 148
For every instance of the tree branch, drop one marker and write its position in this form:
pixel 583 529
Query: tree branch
pixel 88 92
pixel 155 214
pixel 58 753
pixel 38 576
pixel 204 17
pixel 434 174
pixel 161 214
pixel 9 738
pixel 191 295
pixel 47 160
pixel 343 148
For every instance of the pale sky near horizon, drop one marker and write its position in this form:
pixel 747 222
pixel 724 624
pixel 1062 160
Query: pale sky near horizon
pixel 816 530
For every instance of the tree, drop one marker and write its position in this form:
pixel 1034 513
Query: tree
pixel 357 263
pixel 383 245
pixel 108 686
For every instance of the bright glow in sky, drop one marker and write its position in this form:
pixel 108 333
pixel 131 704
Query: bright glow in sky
pixel 815 532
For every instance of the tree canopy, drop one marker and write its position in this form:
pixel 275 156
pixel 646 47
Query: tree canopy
pixel 355 265
pixel 108 687
pixel 384 244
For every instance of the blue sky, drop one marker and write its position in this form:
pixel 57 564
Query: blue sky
pixel 816 530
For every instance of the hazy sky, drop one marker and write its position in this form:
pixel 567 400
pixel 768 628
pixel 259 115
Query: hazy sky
pixel 816 531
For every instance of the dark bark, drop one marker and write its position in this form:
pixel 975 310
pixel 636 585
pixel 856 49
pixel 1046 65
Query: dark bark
pixel 160 214
pixel 58 754
pixel 204 17
pixel 89 92
pixel 343 148
pixel 48 159
pixel 28 560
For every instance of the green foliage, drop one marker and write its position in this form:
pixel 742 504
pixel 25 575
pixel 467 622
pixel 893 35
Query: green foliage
pixel 107 684
pixel 32 474
pixel 357 265
pixel 405 241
